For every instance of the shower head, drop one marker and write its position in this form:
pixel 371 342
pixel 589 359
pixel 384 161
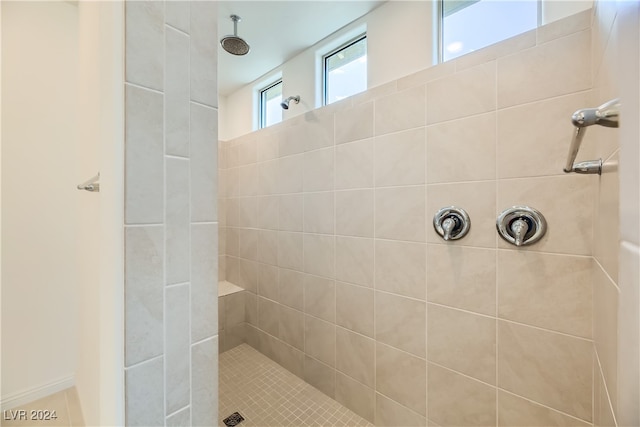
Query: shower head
pixel 234 44
pixel 285 104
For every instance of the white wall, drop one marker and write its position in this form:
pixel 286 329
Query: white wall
pixel 99 245
pixel 399 42
pixel 62 311
pixel 39 304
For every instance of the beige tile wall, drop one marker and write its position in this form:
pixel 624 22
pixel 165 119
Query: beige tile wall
pixel 171 228
pixel 349 286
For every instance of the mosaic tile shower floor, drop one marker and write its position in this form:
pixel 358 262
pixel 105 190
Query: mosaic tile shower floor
pixel 267 395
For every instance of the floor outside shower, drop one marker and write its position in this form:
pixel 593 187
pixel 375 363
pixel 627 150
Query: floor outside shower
pixel 266 394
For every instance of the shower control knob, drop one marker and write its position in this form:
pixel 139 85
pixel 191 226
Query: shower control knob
pixel 521 225
pixel 451 223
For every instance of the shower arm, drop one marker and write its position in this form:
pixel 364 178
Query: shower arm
pixel 605 115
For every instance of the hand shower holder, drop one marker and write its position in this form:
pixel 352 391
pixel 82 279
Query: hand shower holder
pixel 605 115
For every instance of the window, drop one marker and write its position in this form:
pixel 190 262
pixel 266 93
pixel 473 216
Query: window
pixel 270 99
pixel 468 25
pixel 345 70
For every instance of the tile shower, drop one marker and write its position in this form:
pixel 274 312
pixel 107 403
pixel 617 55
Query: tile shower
pixel 325 222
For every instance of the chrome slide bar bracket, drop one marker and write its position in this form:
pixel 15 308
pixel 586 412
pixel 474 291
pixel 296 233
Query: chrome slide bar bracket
pixel 605 115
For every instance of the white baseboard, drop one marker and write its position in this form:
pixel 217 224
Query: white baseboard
pixel 27 396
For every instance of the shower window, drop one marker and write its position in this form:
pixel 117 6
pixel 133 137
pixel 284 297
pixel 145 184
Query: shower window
pixel 468 25
pixel 270 99
pixel 345 70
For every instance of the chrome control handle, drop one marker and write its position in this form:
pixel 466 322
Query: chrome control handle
pixel 451 223
pixel 521 225
pixel 519 229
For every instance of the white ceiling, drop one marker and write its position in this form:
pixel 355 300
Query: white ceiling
pixel 277 31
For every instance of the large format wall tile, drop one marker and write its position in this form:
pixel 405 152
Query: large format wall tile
pixel 177 15
pixel 177 220
pixel 391 414
pixel 355 396
pixel 268 282
pixel 354 308
pixel 320 340
pixel 355 260
pixel 570 194
pixel 319 375
pixel 456 400
pixel 401 268
pixel 319 130
pixel 355 123
pixel 355 356
pixel 399 213
pixel 546 367
pixel 399 158
pixel 546 290
pixel 628 333
pixel 551 69
pixel 462 277
pixel 318 170
pixel 177 348
pixel 204 160
pixel 462 150
pixel 290 171
pixel 176 84
pixel 144 196
pixel 514 411
pixel 606 228
pixel 290 250
pixel 144 403
pixel 354 165
pixel 606 300
pixel 204 284
pixel 144 45
pixel 354 213
pixel 400 111
pixel 291 327
pixel 268 316
pixel 546 148
pixel 319 252
pixel 204 382
pixel 291 288
pixel 204 57
pixel 462 341
pixel 463 94
pixel 402 377
pixel 320 297
pixel 267 212
pixel 401 323
pixel 319 213
pixel 144 290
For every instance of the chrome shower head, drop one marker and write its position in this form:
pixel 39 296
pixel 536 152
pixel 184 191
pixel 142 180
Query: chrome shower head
pixel 234 44
pixel 285 104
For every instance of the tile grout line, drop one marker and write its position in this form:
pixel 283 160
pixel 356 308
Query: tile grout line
pixel 164 223
pixel 375 281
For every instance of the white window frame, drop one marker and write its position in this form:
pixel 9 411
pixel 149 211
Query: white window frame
pixel 332 52
pixel 439 27
pixel 262 111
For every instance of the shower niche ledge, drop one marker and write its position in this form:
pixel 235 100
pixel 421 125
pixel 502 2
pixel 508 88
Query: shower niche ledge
pixel 231 315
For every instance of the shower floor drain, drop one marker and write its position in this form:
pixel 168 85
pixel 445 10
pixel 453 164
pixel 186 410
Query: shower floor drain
pixel 233 419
